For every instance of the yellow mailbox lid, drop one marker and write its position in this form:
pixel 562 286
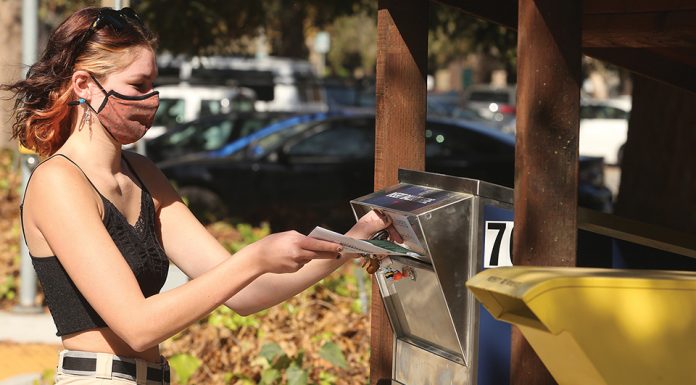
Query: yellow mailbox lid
pixel 599 326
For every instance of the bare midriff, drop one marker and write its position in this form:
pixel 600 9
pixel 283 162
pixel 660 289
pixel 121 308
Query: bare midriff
pixel 104 340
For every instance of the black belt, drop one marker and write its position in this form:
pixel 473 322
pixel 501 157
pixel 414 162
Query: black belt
pixel 88 366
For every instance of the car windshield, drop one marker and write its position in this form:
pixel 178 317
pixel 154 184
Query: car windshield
pixel 200 135
pixel 170 112
pixel 210 134
pixel 270 142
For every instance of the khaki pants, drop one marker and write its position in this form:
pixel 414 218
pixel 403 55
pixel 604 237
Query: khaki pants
pixel 73 379
pixel 89 368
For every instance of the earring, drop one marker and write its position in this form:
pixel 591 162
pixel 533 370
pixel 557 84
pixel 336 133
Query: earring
pixel 86 118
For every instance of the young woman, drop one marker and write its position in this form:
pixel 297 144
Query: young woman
pixel 102 225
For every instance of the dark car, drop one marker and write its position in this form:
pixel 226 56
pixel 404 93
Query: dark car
pixel 208 133
pixel 303 171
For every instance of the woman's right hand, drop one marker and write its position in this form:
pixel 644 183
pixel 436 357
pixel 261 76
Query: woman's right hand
pixel 289 251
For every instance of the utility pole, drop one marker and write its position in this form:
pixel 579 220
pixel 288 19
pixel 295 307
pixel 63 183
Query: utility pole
pixel 28 160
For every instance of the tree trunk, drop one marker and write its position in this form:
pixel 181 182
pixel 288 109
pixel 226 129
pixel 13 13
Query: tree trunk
pixel 10 62
pixel 292 39
pixel 658 178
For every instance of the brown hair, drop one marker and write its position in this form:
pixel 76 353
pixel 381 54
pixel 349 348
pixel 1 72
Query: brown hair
pixel 43 119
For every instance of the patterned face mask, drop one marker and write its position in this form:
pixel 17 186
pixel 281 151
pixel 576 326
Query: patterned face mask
pixel 126 118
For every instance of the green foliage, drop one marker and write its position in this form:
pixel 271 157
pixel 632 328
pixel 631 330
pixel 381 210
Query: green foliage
pixel 226 317
pixel 296 375
pixel 249 235
pixel 47 377
pixel 270 376
pixel 453 34
pixel 271 351
pixel 341 284
pixel 326 378
pixel 278 364
pixel 235 237
pixel 8 288
pixel 332 353
pixel 184 366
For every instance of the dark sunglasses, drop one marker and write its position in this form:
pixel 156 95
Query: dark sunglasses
pixel 117 19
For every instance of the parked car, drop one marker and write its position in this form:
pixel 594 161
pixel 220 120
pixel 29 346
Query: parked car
pixel 208 133
pixel 180 103
pixel 303 171
pixel 603 128
pixel 491 102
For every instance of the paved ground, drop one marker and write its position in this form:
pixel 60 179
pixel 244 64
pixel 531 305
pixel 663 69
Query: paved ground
pixel 18 360
pixel 28 346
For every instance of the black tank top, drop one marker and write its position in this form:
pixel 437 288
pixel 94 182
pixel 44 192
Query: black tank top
pixel 139 245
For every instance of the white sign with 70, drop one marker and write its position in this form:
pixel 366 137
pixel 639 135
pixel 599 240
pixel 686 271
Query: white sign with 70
pixel 497 244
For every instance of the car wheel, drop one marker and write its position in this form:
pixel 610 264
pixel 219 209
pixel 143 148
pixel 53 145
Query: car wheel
pixel 204 204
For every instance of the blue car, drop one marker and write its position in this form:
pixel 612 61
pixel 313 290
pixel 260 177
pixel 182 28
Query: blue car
pixel 303 171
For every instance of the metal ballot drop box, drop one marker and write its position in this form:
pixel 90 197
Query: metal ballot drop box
pixel 441 334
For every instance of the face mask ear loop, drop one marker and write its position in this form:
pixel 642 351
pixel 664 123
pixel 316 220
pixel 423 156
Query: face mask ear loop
pixel 98 84
pixel 106 95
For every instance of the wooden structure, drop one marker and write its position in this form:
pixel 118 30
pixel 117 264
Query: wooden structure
pixel 654 38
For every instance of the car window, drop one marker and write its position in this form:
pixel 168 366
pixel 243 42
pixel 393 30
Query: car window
pixel 451 141
pixel 270 142
pixel 250 125
pixel 216 135
pixel 170 112
pixel 225 105
pixel 345 138
pixel 602 112
pixel 201 136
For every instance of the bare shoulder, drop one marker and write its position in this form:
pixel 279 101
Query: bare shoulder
pixel 58 178
pixel 56 184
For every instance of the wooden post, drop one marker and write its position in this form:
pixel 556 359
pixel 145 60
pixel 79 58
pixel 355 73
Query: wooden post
pixel 546 160
pixel 402 50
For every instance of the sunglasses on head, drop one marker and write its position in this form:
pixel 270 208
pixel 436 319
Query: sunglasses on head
pixel 117 19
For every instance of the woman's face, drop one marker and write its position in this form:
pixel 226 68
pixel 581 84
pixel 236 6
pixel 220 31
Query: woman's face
pixel 135 80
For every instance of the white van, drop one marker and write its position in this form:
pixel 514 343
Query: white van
pixel 183 102
pixel 280 84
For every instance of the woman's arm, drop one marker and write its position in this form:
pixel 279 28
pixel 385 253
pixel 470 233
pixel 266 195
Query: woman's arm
pixel 271 289
pixel 64 209
pixel 191 247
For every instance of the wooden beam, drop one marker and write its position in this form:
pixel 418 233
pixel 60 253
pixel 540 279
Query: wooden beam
pixel 402 55
pixel 640 30
pixel 546 155
pixel 608 25
pixel 636 6
pixel 641 233
pixel 650 63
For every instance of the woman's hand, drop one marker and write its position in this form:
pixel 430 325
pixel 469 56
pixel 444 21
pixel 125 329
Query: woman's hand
pixel 371 223
pixel 289 251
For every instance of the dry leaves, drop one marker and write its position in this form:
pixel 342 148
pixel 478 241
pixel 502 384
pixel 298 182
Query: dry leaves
pixel 302 325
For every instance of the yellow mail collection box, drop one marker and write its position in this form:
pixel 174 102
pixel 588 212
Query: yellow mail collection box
pixel 599 326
